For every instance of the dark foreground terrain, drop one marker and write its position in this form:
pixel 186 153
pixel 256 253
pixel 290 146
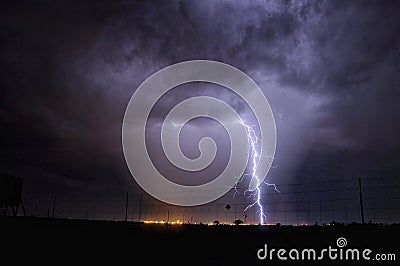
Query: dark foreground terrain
pixel 58 241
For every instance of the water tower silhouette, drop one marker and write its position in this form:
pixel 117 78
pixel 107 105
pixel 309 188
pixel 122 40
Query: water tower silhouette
pixel 10 194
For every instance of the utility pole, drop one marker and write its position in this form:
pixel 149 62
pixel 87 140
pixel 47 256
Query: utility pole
pixel 361 202
pixel 54 206
pixel 126 207
pixel 168 216
pixel 140 206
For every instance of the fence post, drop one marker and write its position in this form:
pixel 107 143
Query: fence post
pixel 361 202
pixel 126 207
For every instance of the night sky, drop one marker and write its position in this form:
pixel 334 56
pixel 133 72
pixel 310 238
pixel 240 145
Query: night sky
pixel 329 69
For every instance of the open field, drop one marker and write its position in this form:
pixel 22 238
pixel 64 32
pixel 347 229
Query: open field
pixel 37 239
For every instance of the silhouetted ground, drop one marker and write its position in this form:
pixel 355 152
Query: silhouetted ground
pixel 37 240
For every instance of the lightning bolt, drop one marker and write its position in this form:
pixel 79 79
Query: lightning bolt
pixel 255 158
pixel 254 147
pixel 175 124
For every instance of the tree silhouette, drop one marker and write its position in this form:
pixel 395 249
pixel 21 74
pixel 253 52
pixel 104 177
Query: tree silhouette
pixel 237 222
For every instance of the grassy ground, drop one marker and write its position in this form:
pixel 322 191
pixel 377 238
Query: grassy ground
pixel 58 241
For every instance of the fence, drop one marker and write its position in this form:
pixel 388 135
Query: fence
pixel 300 203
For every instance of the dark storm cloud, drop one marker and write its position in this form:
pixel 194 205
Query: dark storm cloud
pixel 352 57
pixel 329 69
